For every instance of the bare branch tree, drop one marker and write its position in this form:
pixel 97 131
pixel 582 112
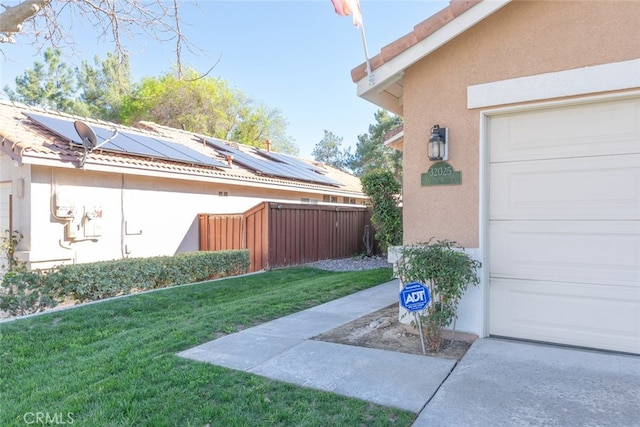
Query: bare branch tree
pixel 114 20
pixel 12 18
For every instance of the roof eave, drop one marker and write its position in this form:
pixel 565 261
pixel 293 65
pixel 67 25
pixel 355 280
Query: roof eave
pixel 396 142
pixel 67 162
pixel 385 89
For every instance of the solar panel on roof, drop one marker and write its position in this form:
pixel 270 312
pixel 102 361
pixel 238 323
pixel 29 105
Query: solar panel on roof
pixel 289 160
pixel 103 135
pixel 308 174
pixel 306 169
pixel 246 160
pixel 150 146
pixel 197 155
pixel 271 167
pixel 127 142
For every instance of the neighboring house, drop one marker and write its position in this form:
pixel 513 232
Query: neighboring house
pixel 140 194
pixel 541 100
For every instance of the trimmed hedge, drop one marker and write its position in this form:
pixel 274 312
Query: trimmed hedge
pixel 99 280
pixel 104 279
pixel 23 292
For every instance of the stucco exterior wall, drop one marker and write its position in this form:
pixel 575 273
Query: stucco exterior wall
pixel 17 178
pixel 524 38
pixel 141 216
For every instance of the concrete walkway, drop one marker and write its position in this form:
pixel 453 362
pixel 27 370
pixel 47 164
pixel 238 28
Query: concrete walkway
pixel 509 383
pixel 497 383
pixel 282 350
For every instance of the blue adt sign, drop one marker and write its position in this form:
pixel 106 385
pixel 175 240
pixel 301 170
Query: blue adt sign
pixel 414 297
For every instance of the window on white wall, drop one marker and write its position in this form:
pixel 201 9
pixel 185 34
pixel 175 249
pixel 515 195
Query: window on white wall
pixel 327 198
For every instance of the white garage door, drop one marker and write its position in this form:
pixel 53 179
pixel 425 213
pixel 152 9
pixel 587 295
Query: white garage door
pixel 564 225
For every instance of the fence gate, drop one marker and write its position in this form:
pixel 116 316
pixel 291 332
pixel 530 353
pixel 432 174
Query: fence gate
pixel 280 235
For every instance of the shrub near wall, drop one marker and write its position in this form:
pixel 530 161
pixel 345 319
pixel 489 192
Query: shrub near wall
pixel 384 191
pixel 99 280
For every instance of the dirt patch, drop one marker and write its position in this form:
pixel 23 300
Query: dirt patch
pixel 382 330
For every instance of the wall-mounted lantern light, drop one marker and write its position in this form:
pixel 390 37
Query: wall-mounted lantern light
pixel 438 143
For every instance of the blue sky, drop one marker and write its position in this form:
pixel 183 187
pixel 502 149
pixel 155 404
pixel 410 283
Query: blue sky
pixel 295 56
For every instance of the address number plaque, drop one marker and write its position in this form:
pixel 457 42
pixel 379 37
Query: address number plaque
pixel 441 173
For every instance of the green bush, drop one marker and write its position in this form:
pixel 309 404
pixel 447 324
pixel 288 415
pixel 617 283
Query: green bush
pixel 447 270
pixel 104 279
pixel 8 244
pixel 25 292
pixel 22 291
pixel 384 191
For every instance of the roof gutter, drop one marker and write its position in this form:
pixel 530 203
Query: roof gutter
pixel 97 166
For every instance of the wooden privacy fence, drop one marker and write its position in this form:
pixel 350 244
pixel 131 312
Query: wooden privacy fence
pixel 280 235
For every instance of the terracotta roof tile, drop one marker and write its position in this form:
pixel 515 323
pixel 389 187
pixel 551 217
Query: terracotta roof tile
pixel 29 142
pixel 433 23
pixel 392 50
pixel 460 6
pixel 420 32
pixel 393 132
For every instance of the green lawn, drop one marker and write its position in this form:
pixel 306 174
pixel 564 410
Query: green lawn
pixel 114 363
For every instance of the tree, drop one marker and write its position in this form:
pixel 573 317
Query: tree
pixel 89 92
pixel 103 89
pixel 261 123
pixel 197 104
pixel 371 154
pixel 208 106
pixel 329 150
pixel 383 190
pixel 49 85
pixel 40 21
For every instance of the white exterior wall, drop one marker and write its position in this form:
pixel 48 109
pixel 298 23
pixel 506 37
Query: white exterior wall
pixel 141 216
pixel 15 178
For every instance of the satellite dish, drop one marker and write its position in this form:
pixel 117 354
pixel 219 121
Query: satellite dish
pixel 88 136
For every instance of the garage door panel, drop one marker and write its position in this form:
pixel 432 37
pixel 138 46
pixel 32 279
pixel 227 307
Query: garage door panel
pixel 598 252
pixel 586 130
pixel 564 224
pixel 570 313
pixel 583 188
